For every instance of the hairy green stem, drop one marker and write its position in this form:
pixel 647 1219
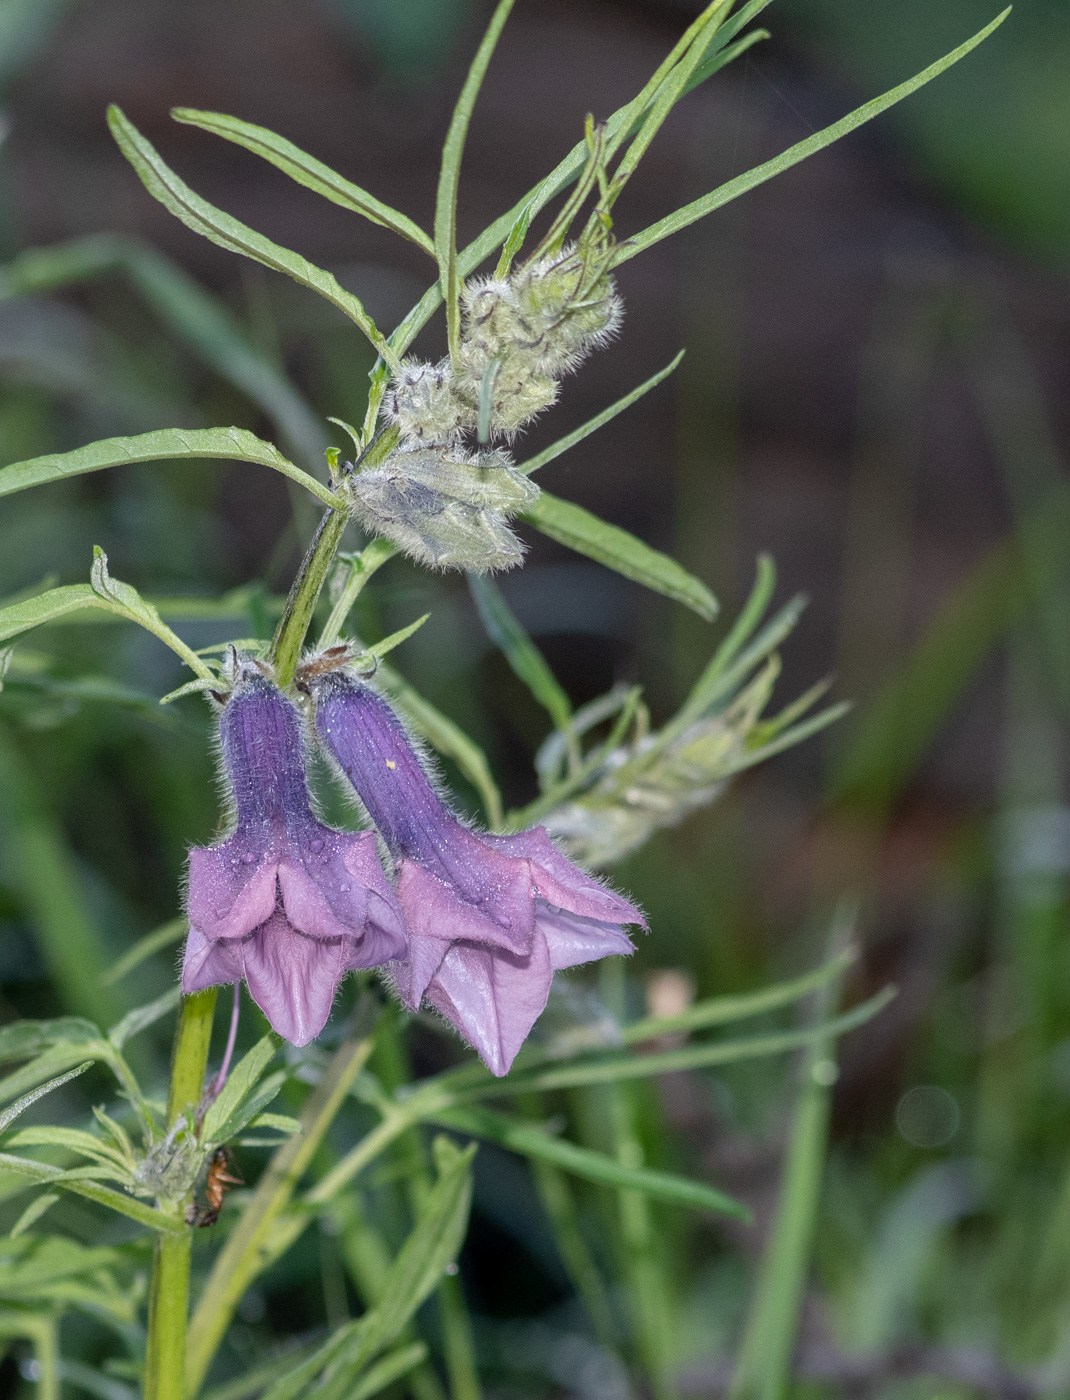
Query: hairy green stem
pixel 304 593
pixel 169 1291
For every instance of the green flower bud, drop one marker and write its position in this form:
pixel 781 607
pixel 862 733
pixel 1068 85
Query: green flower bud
pixel 423 403
pixel 444 508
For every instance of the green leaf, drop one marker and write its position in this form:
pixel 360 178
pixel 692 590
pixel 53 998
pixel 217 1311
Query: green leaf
pixel 55 1060
pixel 389 644
pixel 531 1140
pixel 252 1106
pixel 21 1039
pixel 171 444
pixel 203 321
pixel 306 170
pixel 718 1011
pixel 525 659
pixel 33 1212
pixel 20 1105
pixel 447 738
pixel 230 233
pixel 433 1244
pixel 143 1016
pixel 242 1080
pixel 385 1372
pixel 607 1069
pixel 154 942
pixel 122 598
pixel 449 176
pixel 577 528
pixel 593 424
pixel 699 208
pixel 360 567
pixel 280 1121
pixel 74 1140
pixel 46 1175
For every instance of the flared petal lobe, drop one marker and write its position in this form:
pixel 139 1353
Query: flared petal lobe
pixel 490 918
pixel 285 903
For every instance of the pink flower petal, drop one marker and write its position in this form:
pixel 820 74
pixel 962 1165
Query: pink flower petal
pixel 493 998
pixel 208 964
pixel 434 909
pixel 572 939
pixel 563 883
pixel 231 888
pixel 292 978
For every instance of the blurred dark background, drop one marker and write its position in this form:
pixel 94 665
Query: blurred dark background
pixel 874 392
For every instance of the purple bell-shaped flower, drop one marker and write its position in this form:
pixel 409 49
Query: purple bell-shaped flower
pixel 490 918
pixel 286 903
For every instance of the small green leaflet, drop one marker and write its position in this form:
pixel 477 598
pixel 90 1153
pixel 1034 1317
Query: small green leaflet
pixel 577 528
pixel 172 444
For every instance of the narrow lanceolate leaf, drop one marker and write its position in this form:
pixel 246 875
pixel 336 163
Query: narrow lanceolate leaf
pixel 530 1140
pixel 167 444
pixel 577 528
pixel 20 1105
pixel 306 170
pixel 43 1174
pixel 592 425
pixel 450 174
pixel 243 1078
pixel 524 657
pixel 699 208
pixel 142 1017
pixel 230 233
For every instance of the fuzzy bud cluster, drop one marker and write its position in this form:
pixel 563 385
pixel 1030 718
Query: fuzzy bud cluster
pixel 631 801
pixel 447 506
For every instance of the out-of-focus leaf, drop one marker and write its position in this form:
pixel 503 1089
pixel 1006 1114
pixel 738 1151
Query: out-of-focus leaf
pixel 206 325
pixel 433 1244
pixel 524 657
pixel 21 1039
pixel 154 942
pixel 577 528
pixel 143 1016
pixel 34 1212
pixel 45 877
pixel 230 233
pixel 530 1140
pixel 306 170
pixel 172 444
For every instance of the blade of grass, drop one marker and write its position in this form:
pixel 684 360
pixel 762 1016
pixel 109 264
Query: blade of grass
pixel 699 208
pixel 593 424
pixel 306 170
pixel 449 176
pixel 762 1367
pixel 160 938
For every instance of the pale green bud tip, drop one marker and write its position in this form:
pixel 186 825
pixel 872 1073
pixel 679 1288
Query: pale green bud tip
pixel 445 508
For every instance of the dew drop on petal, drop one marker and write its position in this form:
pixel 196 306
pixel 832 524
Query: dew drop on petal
pixel 248 858
pixel 316 844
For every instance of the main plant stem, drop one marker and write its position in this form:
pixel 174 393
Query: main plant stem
pixel 169 1292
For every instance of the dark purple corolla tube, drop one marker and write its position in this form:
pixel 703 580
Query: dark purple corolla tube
pixel 490 918
pixel 286 903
